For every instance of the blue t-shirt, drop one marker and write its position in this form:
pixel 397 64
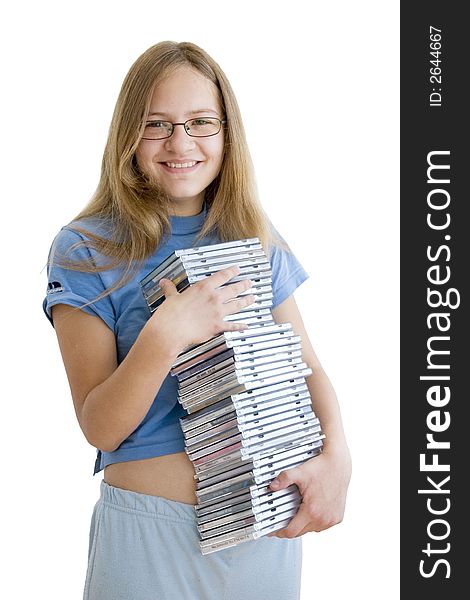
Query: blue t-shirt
pixel 125 312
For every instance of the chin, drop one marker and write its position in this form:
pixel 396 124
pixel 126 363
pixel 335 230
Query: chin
pixel 184 197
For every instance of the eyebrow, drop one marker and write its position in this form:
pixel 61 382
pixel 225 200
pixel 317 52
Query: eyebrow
pixel 189 113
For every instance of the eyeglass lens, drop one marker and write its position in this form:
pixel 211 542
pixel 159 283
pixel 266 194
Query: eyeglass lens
pixel 158 130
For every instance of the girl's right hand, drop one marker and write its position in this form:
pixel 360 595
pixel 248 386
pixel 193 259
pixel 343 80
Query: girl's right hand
pixel 197 314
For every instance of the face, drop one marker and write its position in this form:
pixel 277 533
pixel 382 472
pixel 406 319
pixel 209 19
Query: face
pixel 183 95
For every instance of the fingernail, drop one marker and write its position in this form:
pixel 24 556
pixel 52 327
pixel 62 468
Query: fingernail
pixel 275 483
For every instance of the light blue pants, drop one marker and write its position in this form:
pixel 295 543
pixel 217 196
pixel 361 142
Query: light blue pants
pixel 147 548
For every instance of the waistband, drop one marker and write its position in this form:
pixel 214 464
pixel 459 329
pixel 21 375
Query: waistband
pixel 144 503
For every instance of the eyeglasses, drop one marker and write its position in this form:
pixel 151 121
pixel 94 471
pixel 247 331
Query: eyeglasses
pixel 199 127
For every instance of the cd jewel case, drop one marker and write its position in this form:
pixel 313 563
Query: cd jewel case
pixel 250 413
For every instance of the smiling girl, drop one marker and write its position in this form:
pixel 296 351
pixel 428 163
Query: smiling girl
pixel 176 172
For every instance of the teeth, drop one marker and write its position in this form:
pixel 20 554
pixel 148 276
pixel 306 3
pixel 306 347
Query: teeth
pixel 181 165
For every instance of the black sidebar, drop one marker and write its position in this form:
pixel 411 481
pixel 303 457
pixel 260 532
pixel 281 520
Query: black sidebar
pixel 435 269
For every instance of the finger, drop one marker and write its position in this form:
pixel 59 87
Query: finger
pixel 296 525
pixel 234 326
pixel 228 292
pixel 234 306
pixel 220 277
pixel 285 479
pixel 168 287
pixel 307 529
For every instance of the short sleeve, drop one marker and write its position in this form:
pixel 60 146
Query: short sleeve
pixel 75 288
pixel 287 273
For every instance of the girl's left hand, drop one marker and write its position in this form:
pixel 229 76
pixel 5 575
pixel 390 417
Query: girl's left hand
pixel 323 482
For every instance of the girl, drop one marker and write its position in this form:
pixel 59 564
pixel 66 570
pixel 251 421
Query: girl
pixel 176 173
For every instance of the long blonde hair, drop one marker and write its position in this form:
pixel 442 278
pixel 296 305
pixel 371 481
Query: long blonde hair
pixel 136 210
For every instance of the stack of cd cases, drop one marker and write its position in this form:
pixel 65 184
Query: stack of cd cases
pixel 249 409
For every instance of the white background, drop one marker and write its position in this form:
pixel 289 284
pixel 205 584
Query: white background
pixel 331 188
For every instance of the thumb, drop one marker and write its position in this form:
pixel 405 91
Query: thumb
pixel 168 287
pixel 284 479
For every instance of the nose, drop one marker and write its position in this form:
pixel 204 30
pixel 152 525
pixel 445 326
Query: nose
pixel 179 138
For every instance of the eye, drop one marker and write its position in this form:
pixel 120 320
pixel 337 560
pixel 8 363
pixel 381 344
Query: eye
pixel 203 126
pixel 157 130
pixel 157 124
pixel 201 122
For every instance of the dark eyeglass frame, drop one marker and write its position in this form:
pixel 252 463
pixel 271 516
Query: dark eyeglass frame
pixel 186 127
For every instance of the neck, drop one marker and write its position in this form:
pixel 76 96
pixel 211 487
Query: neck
pixel 187 207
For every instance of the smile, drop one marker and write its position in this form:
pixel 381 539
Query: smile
pixel 185 165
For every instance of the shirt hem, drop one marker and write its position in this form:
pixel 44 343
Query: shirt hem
pixel 140 453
